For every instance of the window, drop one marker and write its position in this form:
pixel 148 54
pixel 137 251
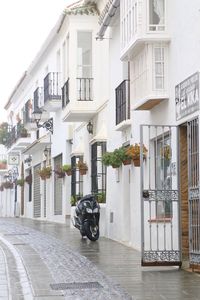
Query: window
pixel 98 170
pixel 156 15
pixel 84 59
pixel 159 68
pixel 163 175
pixel 77 179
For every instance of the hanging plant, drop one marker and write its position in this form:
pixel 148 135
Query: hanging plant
pixel 67 169
pixel 82 167
pixel 133 151
pixel 59 172
pixel 166 155
pixel 1 187
pixel 28 179
pixel 45 173
pixel 3 164
pixel 8 185
pixel 20 182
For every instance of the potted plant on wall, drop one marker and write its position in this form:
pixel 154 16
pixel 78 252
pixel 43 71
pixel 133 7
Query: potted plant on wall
pixel 82 166
pixel 20 181
pixel 45 173
pixel 165 153
pixel 59 172
pixel 3 164
pixel 8 185
pixel 28 179
pixel 1 187
pixel 67 169
pixel 134 152
pixel 101 197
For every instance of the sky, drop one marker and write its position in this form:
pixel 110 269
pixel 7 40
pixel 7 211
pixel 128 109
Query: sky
pixel 24 26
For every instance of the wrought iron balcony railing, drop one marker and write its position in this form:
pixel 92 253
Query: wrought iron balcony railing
pixel 85 89
pixel 52 88
pixel 14 134
pixel 65 94
pixel 122 93
pixel 38 98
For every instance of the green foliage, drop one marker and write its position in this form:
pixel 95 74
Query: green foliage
pixel 20 182
pixel 74 199
pixel 66 168
pixel 101 197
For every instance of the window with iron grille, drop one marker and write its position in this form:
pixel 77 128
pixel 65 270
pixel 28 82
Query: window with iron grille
pixel 98 171
pixel 122 93
pixel 77 178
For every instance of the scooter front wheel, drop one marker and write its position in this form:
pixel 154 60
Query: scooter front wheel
pixel 91 231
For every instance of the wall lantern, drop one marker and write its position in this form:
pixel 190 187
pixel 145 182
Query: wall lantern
pixel 90 128
pixel 37 114
pixel 47 152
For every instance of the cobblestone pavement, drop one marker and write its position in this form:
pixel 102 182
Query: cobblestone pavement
pixel 46 246
pixel 40 253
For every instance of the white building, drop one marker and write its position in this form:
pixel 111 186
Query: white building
pixel 131 77
pixel 64 89
pixel 154 81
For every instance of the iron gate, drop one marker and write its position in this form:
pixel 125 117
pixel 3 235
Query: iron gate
pixel 36 193
pixel 58 187
pixel 160 208
pixel 193 192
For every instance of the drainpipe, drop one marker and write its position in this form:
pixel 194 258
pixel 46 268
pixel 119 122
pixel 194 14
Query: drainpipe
pixel 111 12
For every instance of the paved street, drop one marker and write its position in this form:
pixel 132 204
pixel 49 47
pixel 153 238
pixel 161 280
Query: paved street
pixel 38 259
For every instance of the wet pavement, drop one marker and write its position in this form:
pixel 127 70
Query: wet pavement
pixel 43 257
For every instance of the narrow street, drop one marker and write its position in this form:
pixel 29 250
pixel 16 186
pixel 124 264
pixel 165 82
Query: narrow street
pixel 38 259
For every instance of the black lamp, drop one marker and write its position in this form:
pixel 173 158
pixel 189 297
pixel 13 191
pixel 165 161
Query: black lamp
pixel 90 128
pixel 37 114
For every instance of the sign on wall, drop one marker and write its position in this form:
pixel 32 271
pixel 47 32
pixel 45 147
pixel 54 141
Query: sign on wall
pixel 13 159
pixel 187 96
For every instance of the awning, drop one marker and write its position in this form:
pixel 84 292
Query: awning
pixel 38 145
pixel 78 151
pixel 101 135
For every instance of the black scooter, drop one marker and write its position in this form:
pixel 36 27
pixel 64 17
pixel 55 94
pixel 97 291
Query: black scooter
pixel 86 218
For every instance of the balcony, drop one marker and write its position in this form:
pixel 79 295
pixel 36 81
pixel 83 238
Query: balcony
pixel 17 138
pixel 27 117
pixel 52 92
pixel 142 21
pixel 65 94
pixel 149 77
pixel 81 107
pixel 38 103
pixel 122 93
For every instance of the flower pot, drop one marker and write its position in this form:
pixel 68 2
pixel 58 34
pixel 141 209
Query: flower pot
pixel 69 172
pixel 126 162
pixel 136 162
pixel 115 166
pixel 43 177
pixel 82 171
pixel 3 166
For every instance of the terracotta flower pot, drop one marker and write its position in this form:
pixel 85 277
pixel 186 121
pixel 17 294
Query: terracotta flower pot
pixel 69 172
pixel 126 162
pixel 136 162
pixel 82 171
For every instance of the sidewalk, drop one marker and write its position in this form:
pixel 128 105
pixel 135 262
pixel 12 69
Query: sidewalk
pixel 61 250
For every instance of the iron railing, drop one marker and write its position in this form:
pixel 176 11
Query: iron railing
pixel 52 89
pixel 38 100
pixel 85 89
pixel 122 93
pixel 65 94
pixel 14 133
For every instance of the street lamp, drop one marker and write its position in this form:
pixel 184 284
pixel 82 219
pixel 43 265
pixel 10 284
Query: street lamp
pixel 37 114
